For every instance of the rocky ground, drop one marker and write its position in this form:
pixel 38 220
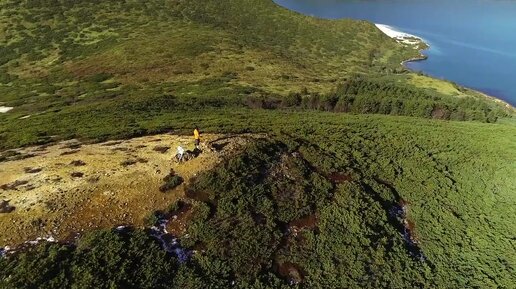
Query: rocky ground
pixel 64 189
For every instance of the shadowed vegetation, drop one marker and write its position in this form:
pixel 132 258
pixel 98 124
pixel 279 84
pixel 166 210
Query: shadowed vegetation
pixel 313 205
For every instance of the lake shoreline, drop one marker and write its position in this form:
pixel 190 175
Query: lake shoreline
pixel 414 40
pixel 407 39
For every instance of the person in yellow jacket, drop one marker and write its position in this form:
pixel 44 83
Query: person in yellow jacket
pixel 197 138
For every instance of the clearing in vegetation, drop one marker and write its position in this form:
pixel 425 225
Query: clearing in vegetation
pixel 69 188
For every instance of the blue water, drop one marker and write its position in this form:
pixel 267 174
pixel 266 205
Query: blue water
pixel 472 42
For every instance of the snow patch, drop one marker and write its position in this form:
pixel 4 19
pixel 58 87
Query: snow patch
pixel 4 109
pixel 168 242
pixel 27 244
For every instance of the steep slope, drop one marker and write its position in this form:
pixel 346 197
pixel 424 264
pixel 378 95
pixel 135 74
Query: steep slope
pixel 162 41
pixel 65 65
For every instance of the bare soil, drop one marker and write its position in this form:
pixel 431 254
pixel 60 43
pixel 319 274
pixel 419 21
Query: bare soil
pixel 178 221
pixel 290 271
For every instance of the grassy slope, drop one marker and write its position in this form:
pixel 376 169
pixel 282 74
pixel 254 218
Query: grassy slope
pixel 70 65
pixel 168 41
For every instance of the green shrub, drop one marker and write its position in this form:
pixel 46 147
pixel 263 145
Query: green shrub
pixel 151 220
pixel 171 182
pixel 102 259
pixel 100 77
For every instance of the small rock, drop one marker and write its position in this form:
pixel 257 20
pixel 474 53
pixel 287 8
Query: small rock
pixel 109 193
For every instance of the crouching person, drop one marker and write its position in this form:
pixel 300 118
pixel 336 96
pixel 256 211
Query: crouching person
pixel 180 154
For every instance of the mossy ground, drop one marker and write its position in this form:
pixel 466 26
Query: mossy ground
pixel 72 187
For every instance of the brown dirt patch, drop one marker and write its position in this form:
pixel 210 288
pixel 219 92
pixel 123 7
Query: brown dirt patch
pixel 439 113
pixel 340 178
pixel 161 149
pixel 78 163
pixel 179 220
pixel 291 272
pixel 32 170
pixel 308 222
pixel 14 185
pixel 201 196
pixel 77 175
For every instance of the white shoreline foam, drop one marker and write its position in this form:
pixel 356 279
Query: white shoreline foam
pixel 402 37
pixel 4 109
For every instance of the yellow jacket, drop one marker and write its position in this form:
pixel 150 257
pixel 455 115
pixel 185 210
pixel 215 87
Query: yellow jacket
pixel 196 134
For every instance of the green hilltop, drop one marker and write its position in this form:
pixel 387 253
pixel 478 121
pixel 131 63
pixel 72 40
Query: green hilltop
pixel 353 138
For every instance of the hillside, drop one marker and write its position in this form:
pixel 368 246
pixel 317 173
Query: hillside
pixel 77 68
pixel 318 203
pixel 324 163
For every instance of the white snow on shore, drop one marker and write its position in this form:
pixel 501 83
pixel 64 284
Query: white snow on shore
pixel 402 37
pixel 4 109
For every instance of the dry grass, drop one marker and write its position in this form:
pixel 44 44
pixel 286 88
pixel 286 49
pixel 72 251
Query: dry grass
pixel 63 198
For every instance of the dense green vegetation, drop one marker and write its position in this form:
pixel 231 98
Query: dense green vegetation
pixel 171 181
pixel 102 259
pixel 62 52
pixel 312 205
pixel 65 65
pixel 365 96
pixel 148 112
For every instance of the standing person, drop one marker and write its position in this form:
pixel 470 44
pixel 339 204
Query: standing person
pixel 197 138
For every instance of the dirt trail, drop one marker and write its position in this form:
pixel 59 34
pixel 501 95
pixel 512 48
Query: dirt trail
pixel 69 187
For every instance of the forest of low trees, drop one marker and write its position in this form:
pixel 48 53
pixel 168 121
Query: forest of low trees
pixel 363 96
